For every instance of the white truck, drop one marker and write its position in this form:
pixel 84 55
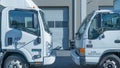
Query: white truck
pixel 25 39
pixel 98 40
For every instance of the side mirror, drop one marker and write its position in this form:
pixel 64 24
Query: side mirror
pixel 101 30
pixel 101 36
pixel 38 40
pixel 77 35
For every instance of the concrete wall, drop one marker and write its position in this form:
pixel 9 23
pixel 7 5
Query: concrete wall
pixel 77 15
pixel 95 4
pixel 105 2
pixel 54 3
pixel 92 5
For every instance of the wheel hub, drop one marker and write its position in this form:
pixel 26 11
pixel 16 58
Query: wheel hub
pixel 15 64
pixel 109 64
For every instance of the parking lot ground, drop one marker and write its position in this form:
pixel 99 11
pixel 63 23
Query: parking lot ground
pixel 63 60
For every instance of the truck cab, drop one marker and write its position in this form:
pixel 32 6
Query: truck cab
pixel 25 39
pixel 98 40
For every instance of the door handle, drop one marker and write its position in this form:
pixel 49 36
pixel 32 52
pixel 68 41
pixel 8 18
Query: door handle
pixel 117 41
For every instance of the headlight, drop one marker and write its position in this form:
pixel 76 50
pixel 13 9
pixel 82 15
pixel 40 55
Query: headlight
pixel 48 49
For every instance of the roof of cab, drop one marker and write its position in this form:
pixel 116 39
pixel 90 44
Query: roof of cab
pixel 109 11
pixel 26 4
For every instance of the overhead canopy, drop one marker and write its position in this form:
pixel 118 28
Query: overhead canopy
pixel 18 3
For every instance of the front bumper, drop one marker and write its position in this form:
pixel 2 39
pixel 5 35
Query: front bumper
pixel 49 60
pixel 46 61
pixel 77 59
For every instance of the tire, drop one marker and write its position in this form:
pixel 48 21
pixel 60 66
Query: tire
pixel 15 61
pixel 82 65
pixel 109 61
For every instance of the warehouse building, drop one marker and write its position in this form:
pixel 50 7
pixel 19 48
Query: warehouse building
pixel 65 16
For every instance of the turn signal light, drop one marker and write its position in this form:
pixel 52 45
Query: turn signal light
pixel 38 63
pixel 82 51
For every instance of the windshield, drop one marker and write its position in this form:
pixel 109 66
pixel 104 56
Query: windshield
pixel 44 21
pixel 84 24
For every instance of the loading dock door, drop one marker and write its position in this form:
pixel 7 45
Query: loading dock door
pixel 57 19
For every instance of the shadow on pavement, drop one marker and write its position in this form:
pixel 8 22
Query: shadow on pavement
pixel 64 62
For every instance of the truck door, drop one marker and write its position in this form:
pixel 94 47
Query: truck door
pixel 25 34
pixel 103 34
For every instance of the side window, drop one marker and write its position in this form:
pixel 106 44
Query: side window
pixel 24 20
pixel 111 21
pixel 93 32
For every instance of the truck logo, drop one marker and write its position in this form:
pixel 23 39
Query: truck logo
pixel 93 53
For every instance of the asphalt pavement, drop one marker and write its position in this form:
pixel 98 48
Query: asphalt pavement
pixel 63 60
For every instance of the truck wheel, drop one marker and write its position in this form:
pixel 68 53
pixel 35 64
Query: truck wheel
pixel 110 61
pixel 15 61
